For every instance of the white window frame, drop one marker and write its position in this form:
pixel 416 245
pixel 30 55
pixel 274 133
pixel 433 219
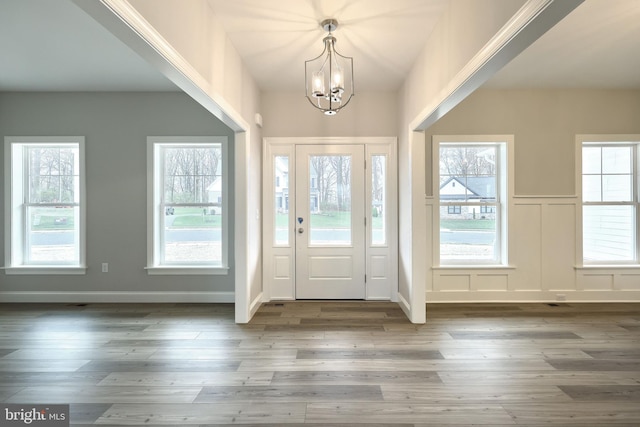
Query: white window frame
pixel 504 198
pixel 15 202
pixel 603 141
pixel 155 216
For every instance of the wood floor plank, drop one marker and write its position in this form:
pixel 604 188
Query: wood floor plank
pixel 185 379
pixel 408 413
pixel 511 335
pixel 99 394
pixel 188 343
pixel 462 378
pixel 614 354
pixel 595 365
pixel 204 413
pixel 32 379
pixel 355 377
pixel 160 366
pixel 222 354
pixel 603 393
pixel 453 394
pixel 370 354
pixel 90 353
pixel 291 393
pixel 584 413
pixel 392 365
pixel 317 363
pixel 41 365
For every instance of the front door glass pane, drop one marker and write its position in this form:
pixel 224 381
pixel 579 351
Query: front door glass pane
pixel 281 202
pixel 378 199
pixel 330 200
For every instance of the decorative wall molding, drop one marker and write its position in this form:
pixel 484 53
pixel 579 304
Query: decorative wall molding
pixel 543 268
pixel 533 296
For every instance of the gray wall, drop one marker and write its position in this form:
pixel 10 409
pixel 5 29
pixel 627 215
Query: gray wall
pixel 115 127
pixel 545 123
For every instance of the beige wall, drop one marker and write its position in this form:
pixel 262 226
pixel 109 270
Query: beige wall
pixel 545 123
pixel 543 217
pixel 289 114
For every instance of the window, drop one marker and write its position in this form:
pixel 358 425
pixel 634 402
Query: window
pixel 471 186
pixel 187 207
pixel 455 210
pixel 45 205
pixel 609 201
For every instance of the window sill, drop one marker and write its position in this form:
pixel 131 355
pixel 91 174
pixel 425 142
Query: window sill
pixel 184 270
pixel 48 270
pixel 608 267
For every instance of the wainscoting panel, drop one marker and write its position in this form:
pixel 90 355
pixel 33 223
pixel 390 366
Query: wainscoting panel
pixel 528 247
pixel 558 246
pixel 490 282
pixel 542 265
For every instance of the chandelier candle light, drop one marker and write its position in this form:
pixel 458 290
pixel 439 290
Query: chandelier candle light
pixel 329 77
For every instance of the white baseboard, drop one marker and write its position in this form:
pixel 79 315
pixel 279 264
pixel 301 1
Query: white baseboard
pixel 558 296
pixel 117 297
pixel 404 305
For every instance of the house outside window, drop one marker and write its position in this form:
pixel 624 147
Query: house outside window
pixel 610 226
pixel 45 205
pixel 187 205
pixel 473 192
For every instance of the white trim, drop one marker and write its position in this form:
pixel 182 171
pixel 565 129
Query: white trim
pixel 533 296
pixel 285 146
pixel 602 140
pixel 533 19
pixel 47 270
pixel 117 297
pixel 14 191
pixel 506 185
pixel 186 271
pixel 154 195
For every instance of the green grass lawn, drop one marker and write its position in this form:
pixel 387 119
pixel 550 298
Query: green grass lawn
pixel 193 218
pixel 52 219
pixel 468 224
pixel 327 220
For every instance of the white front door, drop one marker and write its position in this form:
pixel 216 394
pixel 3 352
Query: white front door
pixel 330 219
pixel 330 240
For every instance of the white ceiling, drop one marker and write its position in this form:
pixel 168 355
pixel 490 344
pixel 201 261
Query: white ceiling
pixel 595 46
pixel 275 37
pixel 51 45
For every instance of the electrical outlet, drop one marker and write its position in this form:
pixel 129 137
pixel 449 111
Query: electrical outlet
pixel 105 267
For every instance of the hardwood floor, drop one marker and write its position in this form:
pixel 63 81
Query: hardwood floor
pixel 326 363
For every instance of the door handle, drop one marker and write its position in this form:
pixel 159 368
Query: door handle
pixel 300 230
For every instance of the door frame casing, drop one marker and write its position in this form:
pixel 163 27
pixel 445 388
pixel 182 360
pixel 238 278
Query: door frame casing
pixel 279 261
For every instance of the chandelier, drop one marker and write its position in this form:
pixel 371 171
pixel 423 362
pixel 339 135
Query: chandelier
pixel 329 77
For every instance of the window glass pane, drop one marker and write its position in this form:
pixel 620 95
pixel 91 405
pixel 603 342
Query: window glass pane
pixel 281 205
pixel 330 200
pixel 616 188
pixel 592 188
pixel 53 174
pixel 591 160
pixel 468 234
pixel 378 199
pixel 616 160
pixel 192 174
pixel 192 235
pixel 608 233
pixel 468 173
pixel 52 235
